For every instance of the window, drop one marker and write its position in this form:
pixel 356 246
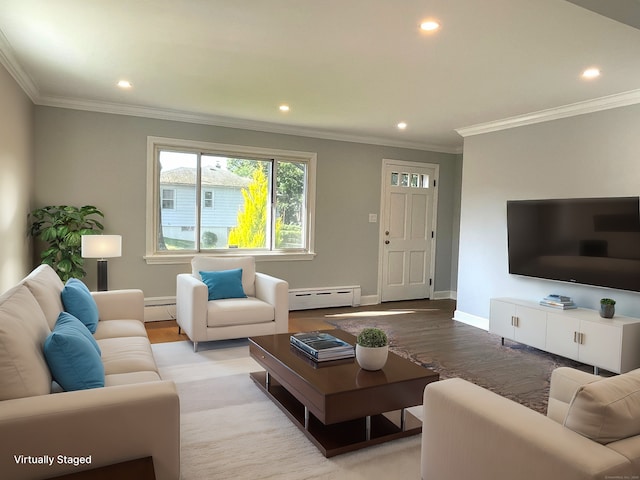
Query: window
pixel 264 200
pixel 413 180
pixel 207 199
pixel 168 199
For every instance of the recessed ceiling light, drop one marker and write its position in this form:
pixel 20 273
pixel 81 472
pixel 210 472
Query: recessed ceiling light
pixel 284 108
pixel 124 84
pixel 429 25
pixel 591 73
pixel 402 125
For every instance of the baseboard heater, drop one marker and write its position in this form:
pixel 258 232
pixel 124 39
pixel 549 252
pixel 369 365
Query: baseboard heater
pixel 159 308
pixel 308 298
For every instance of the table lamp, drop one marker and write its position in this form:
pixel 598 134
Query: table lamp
pixel 102 247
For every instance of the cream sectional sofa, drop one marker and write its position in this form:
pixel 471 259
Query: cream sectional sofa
pixel 591 431
pixel 134 415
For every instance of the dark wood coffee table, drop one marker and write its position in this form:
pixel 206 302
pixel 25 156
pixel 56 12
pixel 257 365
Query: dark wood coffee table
pixel 337 405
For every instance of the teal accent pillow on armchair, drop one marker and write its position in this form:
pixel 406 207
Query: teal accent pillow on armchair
pixel 224 284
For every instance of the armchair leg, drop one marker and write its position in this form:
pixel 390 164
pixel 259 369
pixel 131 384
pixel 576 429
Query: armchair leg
pixel 179 330
pixel 195 346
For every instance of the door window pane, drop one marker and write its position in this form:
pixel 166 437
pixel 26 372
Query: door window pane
pixel 425 181
pixel 415 180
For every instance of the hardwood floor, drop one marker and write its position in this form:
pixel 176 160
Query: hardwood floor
pixel 164 331
pixel 301 320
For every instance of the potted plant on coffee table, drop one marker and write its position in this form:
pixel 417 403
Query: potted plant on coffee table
pixel 372 349
pixel 607 307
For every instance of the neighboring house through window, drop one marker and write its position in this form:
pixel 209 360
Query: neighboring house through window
pixel 227 199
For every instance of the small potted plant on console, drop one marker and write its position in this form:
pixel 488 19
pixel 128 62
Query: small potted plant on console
pixel 372 349
pixel 607 307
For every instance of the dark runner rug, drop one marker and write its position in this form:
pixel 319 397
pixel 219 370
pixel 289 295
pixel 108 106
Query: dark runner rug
pixel 425 333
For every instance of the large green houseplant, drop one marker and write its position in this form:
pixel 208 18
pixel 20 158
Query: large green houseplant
pixel 62 227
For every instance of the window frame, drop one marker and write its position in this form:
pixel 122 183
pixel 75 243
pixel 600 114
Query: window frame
pixel 154 144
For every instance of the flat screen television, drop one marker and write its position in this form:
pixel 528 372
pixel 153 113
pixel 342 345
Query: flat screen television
pixel 591 241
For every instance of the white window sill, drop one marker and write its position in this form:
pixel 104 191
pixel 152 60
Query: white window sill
pixel 169 259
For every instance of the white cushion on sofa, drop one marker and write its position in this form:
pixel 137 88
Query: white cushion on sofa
pixel 210 264
pixel 119 328
pixel 126 355
pixel 607 410
pixel 46 287
pixel 116 379
pixel 23 330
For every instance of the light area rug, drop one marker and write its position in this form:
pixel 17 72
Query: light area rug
pixel 231 430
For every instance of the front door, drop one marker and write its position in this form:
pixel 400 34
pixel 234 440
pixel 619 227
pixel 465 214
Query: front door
pixel 407 230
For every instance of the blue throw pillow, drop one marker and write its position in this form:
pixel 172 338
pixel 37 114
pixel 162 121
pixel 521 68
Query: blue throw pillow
pixel 66 319
pixel 224 284
pixel 77 301
pixel 72 358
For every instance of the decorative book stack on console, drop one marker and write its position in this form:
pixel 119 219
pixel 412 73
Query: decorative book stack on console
pixel 558 301
pixel 322 346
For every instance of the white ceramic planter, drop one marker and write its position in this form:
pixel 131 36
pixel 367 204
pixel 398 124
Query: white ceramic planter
pixel 371 358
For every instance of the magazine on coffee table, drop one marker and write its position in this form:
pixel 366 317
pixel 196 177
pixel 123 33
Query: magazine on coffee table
pixel 322 346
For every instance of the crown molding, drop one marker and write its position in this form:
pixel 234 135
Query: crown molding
pixel 9 62
pixel 580 108
pixel 221 121
pixel 29 86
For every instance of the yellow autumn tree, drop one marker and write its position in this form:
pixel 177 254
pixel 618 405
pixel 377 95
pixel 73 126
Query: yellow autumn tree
pixel 251 229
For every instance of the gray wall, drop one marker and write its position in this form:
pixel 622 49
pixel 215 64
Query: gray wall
pixel 16 180
pixel 100 159
pixel 590 155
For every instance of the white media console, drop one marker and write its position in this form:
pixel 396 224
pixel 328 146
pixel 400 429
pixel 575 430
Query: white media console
pixel 580 334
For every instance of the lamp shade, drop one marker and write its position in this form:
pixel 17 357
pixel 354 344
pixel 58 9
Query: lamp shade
pixel 101 246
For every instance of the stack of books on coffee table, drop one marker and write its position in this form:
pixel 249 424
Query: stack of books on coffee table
pixel 322 346
pixel 558 301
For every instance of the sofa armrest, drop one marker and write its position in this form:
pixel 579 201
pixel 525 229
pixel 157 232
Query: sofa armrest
pixel 565 382
pixel 276 292
pixel 470 432
pixel 120 304
pixel 192 296
pixel 111 425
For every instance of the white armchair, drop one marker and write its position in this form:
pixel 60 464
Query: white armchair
pixel 264 311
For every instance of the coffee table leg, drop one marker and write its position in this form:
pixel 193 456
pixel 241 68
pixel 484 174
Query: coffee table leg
pixel 367 421
pixel 306 418
pixel 403 419
pixel 266 381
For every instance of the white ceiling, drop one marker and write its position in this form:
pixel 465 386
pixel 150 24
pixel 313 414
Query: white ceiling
pixel 349 69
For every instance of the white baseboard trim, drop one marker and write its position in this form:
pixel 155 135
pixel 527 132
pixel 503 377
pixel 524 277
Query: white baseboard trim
pixel 369 300
pixel 473 320
pixel 444 295
pixel 375 299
